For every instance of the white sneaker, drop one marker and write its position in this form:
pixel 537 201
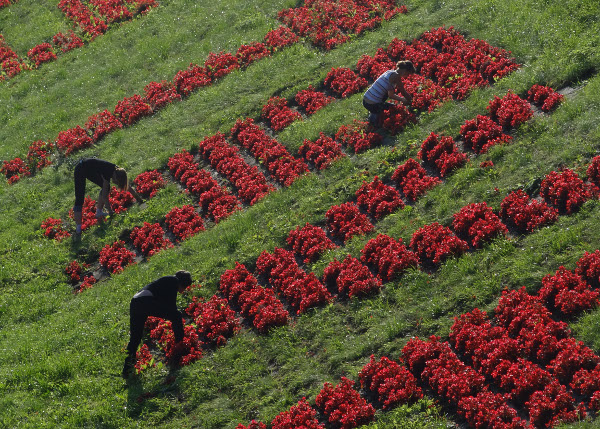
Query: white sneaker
pixel 101 215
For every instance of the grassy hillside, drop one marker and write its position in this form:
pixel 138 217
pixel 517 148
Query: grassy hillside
pixel 61 353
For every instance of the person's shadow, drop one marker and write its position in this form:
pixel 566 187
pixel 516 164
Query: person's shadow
pixel 137 396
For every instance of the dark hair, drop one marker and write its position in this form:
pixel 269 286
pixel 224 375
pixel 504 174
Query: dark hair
pixel 405 65
pixel 184 277
pixel 121 178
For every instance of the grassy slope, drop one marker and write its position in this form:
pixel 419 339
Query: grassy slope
pixel 61 354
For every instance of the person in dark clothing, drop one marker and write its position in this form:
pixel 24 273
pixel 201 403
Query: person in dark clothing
pixel 101 173
pixel 158 299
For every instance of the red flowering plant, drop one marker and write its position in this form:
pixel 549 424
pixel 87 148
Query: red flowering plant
pixel 346 220
pixel 221 64
pixel 344 82
pixel 73 140
pixel 247 54
pixel 309 241
pixel 586 382
pixel 378 199
pixel 357 137
pixel 14 169
pixel 396 118
pixel 214 320
pixel 278 114
pixel 322 152
pixel 593 171
pixel 544 97
pixel 131 109
pixel 149 239
pixel 184 222
pixel 4 3
pixel 53 228
pixel 442 153
pixel 572 356
pixel 312 100
pixel 568 293
pixel 12 67
pixel 68 41
pixel 87 283
pixel 478 224
pixel 74 270
pixel 219 203
pixel 351 278
pixel 413 180
pixel 588 267
pixel 301 290
pixel 144 359
pixel 301 415
pixel 159 94
pixel 280 38
pixel 434 243
pixel 183 353
pixel 525 213
pixel 565 190
pixel 120 200
pixel 373 67
pixel 391 383
pixel 551 406
pixel 417 352
pixel 482 133
pixel 38 155
pixel 426 94
pixel 115 257
pixel 343 406
pixel 510 110
pixel 88 213
pixel 40 54
pixel 253 425
pixel 188 80
pixel 149 183
pixel 490 410
pixel 79 13
pixel 101 124
pixel 111 10
pixel 390 257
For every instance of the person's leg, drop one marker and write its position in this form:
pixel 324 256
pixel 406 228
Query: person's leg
pixel 137 320
pixel 79 180
pixel 374 110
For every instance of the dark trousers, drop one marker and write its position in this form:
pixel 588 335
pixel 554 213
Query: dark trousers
pixel 377 108
pixel 79 178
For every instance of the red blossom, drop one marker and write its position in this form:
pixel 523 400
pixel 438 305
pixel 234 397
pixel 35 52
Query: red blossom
pixel 526 214
pixel 322 152
pixel 413 180
pixel 357 137
pixel 434 243
pixel 345 221
pixel 344 405
pixel 350 277
pixel 310 242
pixel 116 257
pixel 378 199
pixel 390 257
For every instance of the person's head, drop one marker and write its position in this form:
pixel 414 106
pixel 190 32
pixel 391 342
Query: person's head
pixel 405 67
pixel 120 178
pixel 185 279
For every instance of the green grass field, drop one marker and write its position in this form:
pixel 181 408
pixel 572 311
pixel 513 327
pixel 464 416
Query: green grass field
pixel 61 353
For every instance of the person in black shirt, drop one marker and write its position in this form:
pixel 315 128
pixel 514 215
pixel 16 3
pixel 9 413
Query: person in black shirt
pixel 158 299
pixel 101 173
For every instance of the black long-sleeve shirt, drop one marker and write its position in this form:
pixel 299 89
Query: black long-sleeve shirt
pixel 164 292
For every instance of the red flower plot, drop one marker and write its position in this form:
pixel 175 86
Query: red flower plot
pixel 190 79
pixel 14 169
pixel 214 320
pixel 442 153
pixel 68 41
pixel 120 200
pixel 378 199
pixel 478 224
pixel 159 94
pixel 301 415
pixel 184 222
pixel 247 54
pixel 589 268
pixel 566 191
pixel 116 257
pixel 413 180
pixel 221 64
pixel 178 354
pixel 344 82
pixel 88 213
pixel 278 114
pixel 280 37
pixel 434 243
pixel 38 155
pixel 593 171
pixel 526 214
pixel 73 140
pixel 42 53
pixel 482 133
pixel 310 242
pixel 149 239
pixel 568 293
pixel 357 137
pixel 322 152
pixel 396 118
pixel 312 100
pixel 388 256
pixel 544 97
pixel 149 183
pixel 131 109
pixel 510 110
pixel 101 124
pixel 345 221
pixel 53 228
pixel 350 278
pixel 343 406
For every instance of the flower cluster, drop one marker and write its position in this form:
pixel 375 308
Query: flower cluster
pixel 526 214
pixel 111 10
pixel 74 271
pixel 88 213
pixel 81 15
pixel 149 238
pixel 214 320
pixel 221 64
pixel 184 222
pixel 73 140
pixel 426 94
pixel 14 169
pixel 87 283
pixel 4 3
pixel 345 221
pixel 482 133
pixel 301 415
pixel 434 243
pixel 441 152
pixel 344 82
pixel 101 124
pixel 38 155
pixel 322 152
pixel 392 383
pixel 310 242
pixel 131 109
pixel 276 158
pixel 351 277
pixel 343 405
pixel 478 224
pixel 278 113
pixel 413 180
pixel 301 290
pixel 253 425
pixel 119 200
pixel 280 37
pixel 40 54
pixel 357 137
pixel 568 293
pixel 256 303
pixel 312 100
pixel 510 110
pixel 246 54
pixel 159 94
pixel 588 267
pixel 593 171
pixel 183 353
pixel 68 41
pixel 10 62
pixel 390 257
pixel 53 228
pixel 373 67
pixel 396 118
pixel 545 97
pixel 190 79
pixel 251 184
pixel 148 183
pixel 378 199
pixel 565 190
pixel 116 257
pixel 143 359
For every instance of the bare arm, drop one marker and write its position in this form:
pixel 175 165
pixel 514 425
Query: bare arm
pixel 104 195
pixel 407 98
pixel 137 196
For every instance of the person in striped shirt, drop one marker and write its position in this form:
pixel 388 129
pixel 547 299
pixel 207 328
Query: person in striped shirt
pixel 385 87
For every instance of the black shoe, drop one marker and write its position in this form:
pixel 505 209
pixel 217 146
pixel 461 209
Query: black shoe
pixel 128 367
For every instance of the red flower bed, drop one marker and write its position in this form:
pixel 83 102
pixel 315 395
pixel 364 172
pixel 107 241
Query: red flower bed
pixel 373 67
pixel 131 109
pixel 14 169
pixel 311 100
pixel 426 94
pixel 301 290
pixel 40 54
pixel 345 221
pixel 593 171
pixel 112 10
pixel 279 115
pixel 343 406
pixel 119 200
pixel 301 415
pixel 101 124
pixel 568 293
pixel 149 239
pixel 76 11
pixel 351 278
pixel 253 425
pixel 482 133
pixel 478 224
pixel 396 118
pixel 143 359
pixel 159 94
pixel 184 222
pixel 183 353
pixel 442 153
pixel 256 303
pixel 344 82
pixel 214 320
pixel 378 199
pixel 565 191
pixel 510 110
pixel 525 213
pixel 74 271
pixel 322 152
pixel 356 136
pixel 88 213
pixel 246 54
pixel 389 256
pixel 149 183
pixel 73 140
pixel 116 257
pixel 38 155
pixel 588 267
pixel 68 41
pixel 310 242
pixel 391 383
pixel 87 283
pixel 489 410
pixel 53 228
pixel 544 97
pixel 413 180
pixel 221 64
pixel 280 37
pixel 9 60
pixel 434 243
pixel 188 80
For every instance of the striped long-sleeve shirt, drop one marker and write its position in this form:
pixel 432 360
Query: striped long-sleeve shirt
pixel 378 92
